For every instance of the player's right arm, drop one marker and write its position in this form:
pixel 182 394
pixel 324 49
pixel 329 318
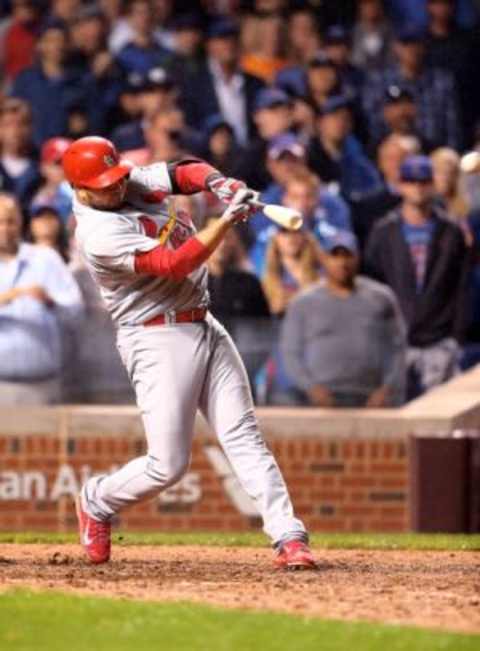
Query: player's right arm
pixel 180 262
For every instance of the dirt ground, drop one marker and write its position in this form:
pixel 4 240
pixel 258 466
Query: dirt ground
pixel 431 589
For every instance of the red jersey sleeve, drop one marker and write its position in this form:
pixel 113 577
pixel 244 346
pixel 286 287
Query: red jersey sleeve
pixel 177 263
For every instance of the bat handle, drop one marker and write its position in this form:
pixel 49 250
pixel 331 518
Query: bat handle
pixel 257 204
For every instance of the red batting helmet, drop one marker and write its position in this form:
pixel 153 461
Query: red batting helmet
pixel 94 163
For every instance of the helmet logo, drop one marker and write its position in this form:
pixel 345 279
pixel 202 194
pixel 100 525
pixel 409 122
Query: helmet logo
pixel 109 161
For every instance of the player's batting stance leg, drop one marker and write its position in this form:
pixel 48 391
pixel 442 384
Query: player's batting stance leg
pixel 173 369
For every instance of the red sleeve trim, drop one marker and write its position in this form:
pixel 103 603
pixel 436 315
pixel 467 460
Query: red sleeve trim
pixel 176 264
pixel 157 196
pixel 194 177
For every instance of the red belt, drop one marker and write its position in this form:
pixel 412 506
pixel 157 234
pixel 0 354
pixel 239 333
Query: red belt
pixel 190 316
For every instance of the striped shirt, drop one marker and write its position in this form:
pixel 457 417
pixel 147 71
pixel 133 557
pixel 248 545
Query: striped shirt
pixel 31 332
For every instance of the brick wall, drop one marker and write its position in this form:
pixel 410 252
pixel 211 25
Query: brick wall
pixel 337 484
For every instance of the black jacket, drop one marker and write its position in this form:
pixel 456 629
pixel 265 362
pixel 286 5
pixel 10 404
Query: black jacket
pixel 439 310
pixel 199 100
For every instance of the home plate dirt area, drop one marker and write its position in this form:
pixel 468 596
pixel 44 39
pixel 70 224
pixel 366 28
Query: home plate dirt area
pixel 430 589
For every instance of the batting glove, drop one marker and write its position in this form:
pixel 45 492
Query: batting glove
pixel 239 208
pixel 225 188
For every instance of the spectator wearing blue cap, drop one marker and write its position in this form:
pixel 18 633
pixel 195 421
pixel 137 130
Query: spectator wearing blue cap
pixel 423 257
pixel 337 45
pixel 285 156
pixel 273 117
pixel 434 90
pixel 156 93
pixel 220 86
pixel 337 156
pixel 399 117
pixel 51 86
pixel 343 339
pixel 142 52
pixel 372 35
pixel 323 212
pixel 322 80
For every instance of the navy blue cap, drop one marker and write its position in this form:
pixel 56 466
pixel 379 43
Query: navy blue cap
pixel 271 97
pixel 286 143
pixel 410 34
pixel 397 93
pixel 335 103
pixel 222 28
pixel 216 121
pixel 321 60
pixel 52 23
pixel 336 34
pixel 190 20
pixel 416 168
pixel 41 208
pixel 341 239
pixel 156 77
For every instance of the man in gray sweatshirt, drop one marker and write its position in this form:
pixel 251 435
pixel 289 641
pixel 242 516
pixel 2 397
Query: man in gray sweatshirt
pixel 344 339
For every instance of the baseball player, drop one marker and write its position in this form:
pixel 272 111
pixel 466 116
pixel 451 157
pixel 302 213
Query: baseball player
pixel 149 263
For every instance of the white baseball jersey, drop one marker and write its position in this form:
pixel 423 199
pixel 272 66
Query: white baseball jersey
pixel 108 241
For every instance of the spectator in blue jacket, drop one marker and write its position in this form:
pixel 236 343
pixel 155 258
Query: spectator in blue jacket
pixel 324 213
pixel 337 156
pixel 51 87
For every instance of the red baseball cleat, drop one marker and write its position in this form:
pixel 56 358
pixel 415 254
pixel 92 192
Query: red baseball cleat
pixel 295 555
pixel 94 535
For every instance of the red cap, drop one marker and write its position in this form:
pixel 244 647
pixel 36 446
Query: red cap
pixel 53 149
pixel 93 162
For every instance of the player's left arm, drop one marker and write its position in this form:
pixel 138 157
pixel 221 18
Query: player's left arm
pixel 186 176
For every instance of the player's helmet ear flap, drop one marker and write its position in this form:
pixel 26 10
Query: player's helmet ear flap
pixel 94 163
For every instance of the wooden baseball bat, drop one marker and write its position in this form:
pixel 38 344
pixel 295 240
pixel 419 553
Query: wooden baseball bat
pixel 281 215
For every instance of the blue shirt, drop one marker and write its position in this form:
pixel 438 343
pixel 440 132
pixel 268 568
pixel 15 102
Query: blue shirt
pixel 31 332
pixel 50 99
pixel 331 214
pixel 418 239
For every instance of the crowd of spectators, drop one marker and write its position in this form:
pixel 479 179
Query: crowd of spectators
pixel 354 112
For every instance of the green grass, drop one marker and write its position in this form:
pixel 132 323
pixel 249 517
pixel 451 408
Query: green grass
pixel 52 621
pixel 437 542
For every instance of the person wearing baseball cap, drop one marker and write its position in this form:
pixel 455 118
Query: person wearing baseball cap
pixel 422 256
pixel 54 192
pixel 338 365
pixel 337 155
pixel 338 48
pixel 220 85
pixel 435 91
pixel 400 113
pixel 154 90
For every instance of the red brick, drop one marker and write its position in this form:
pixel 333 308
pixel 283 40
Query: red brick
pixel 359 450
pixel 358 482
pixel 330 496
pixel 388 468
pixel 357 510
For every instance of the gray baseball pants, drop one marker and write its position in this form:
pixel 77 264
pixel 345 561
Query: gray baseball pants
pixel 176 369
